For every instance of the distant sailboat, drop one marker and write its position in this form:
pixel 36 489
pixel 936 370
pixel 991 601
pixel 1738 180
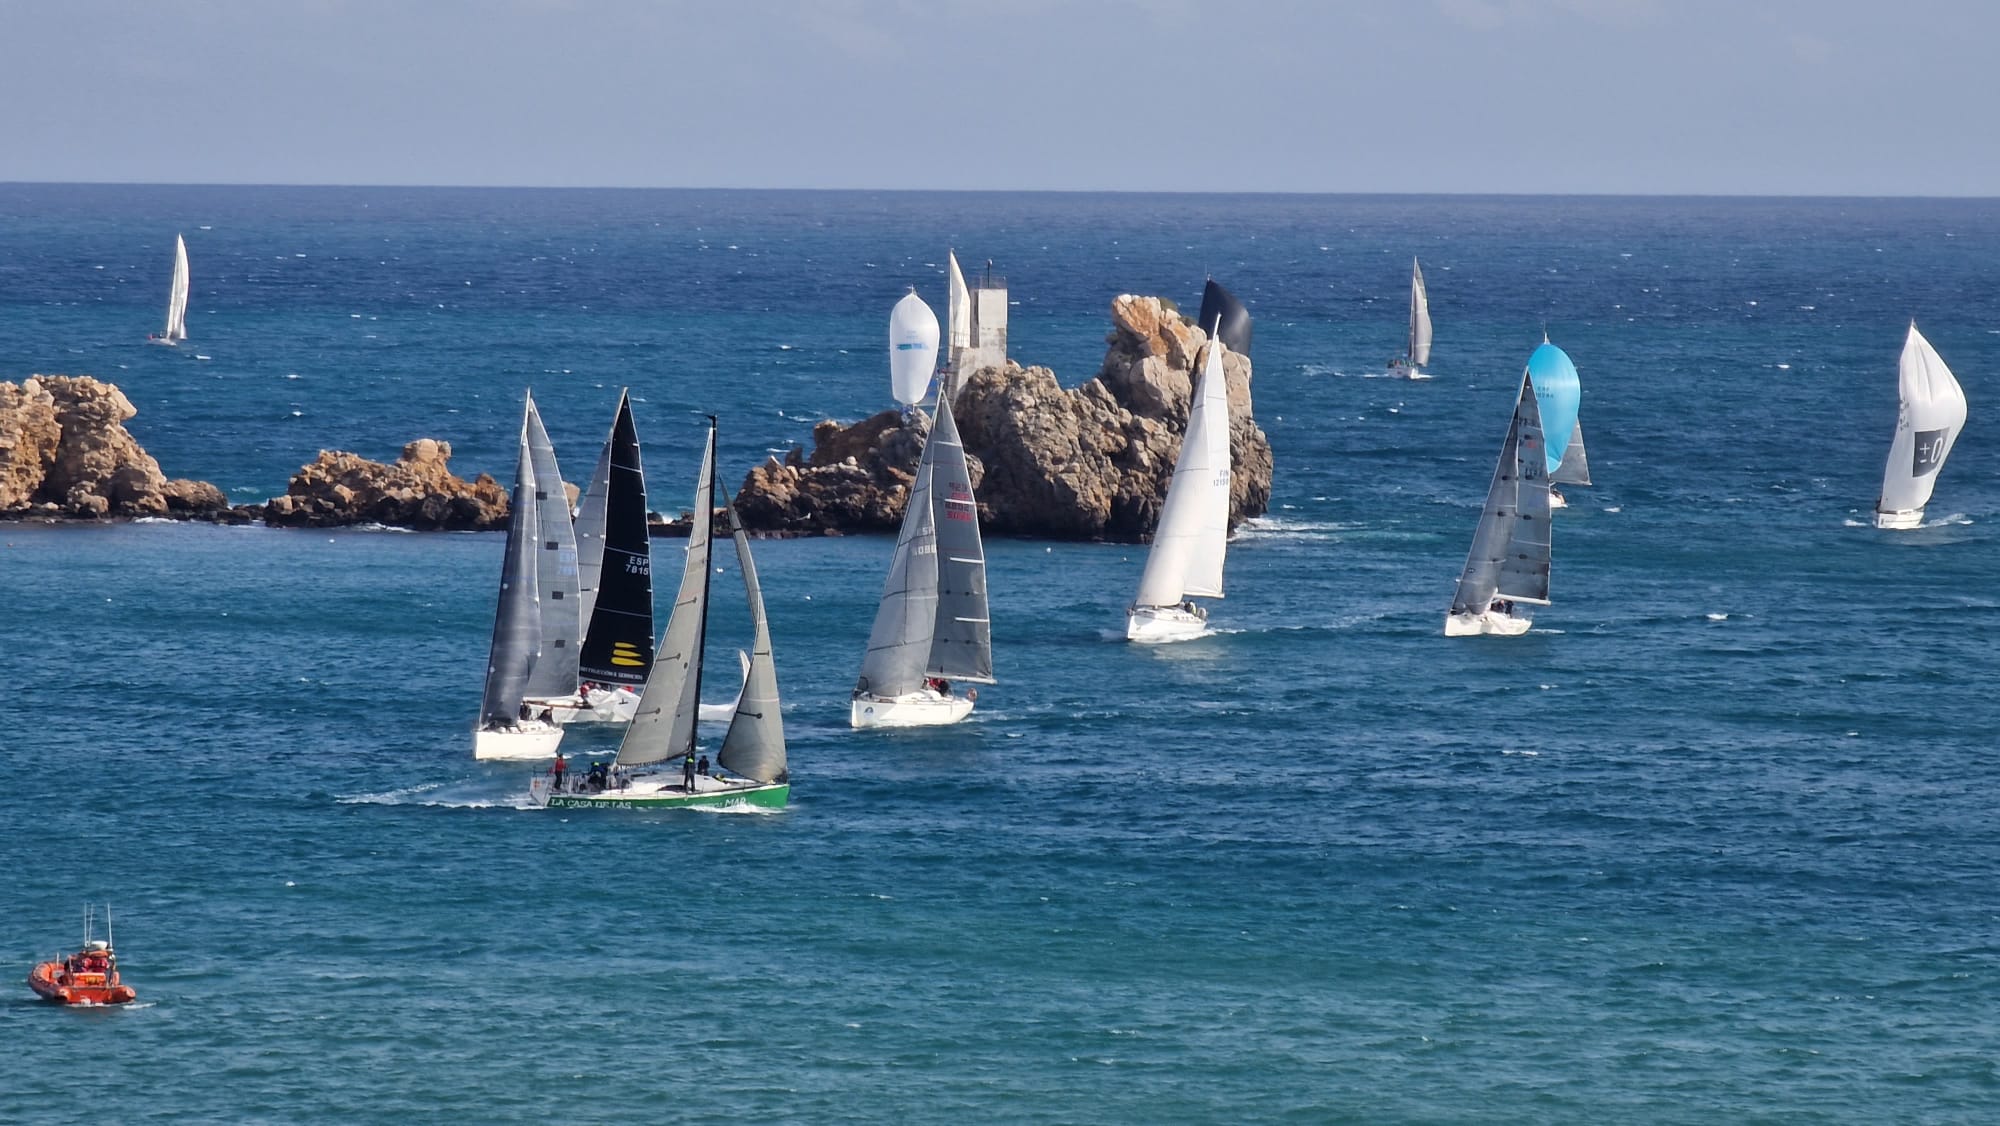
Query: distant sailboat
pixel 913 349
pixel 508 728
pixel 751 759
pixel 1192 536
pixel 1927 423
pixel 177 298
pixel 1507 569
pixel 931 626
pixel 1417 351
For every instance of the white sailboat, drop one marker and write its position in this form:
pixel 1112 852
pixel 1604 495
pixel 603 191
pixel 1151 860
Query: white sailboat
pixel 177 298
pixel 931 627
pixel 656 763
pixel 1192 537
pixel 1417 351
pixel 1927 423
pixel 1507 569
pixel 508 727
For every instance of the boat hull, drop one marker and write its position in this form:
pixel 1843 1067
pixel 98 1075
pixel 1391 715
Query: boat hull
pixel 709 792
pixel 1556 500
pixel 1155 624
pixel 918 709
pixel 1900 521
pixel 532 740
pixel 51 983
pixel 1490 623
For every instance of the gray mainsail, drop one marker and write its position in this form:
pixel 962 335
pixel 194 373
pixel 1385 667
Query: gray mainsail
pixel 755 745
pixel 664 726
pixel 554 674
pixel 962 641
pixel 590 517
pixel 517 628
pixel 1510 550
pixel 899 644
pixel 1575 467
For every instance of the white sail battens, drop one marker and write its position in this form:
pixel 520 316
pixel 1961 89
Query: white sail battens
pixel 1928 422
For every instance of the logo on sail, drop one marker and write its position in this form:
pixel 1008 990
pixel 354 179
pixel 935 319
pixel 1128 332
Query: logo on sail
pixel 1928 453
pixel 626 654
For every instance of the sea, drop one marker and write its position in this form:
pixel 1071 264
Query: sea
pixel 1716 842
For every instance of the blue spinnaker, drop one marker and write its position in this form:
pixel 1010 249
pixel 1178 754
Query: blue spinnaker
pixel 1557 394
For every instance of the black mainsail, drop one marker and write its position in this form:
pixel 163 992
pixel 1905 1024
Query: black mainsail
pixel 618 639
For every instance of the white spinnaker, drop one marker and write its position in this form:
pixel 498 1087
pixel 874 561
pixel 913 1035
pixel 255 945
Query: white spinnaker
pixel 1929 421
pixel 913 348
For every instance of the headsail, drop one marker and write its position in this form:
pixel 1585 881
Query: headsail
pixel 517 629
pixel 1218 303
pixel 962 643
pixel 899 644
pixel 555 568
pixel 1193 533
pixel 1420 318
pixel 1928 422
pixel 177 294
pixel 618 640
pixel 913 348
pixel 755 744
pixel 1510 549
pixel 664 724
pixel 1575 467
pixel 1557 395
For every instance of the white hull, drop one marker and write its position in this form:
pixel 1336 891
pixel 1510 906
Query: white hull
pixel 533 739
pixel 1491 622
pixel 1402 369
pixel 1908 518
pixel 1153 624
pixel 918 709
pixel 1556 500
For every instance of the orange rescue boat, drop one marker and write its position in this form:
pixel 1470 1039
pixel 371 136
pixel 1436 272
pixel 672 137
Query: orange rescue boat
pixel 87 977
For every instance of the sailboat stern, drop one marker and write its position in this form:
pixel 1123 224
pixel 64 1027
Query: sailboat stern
pixel 1160 624
pixel 924 708
pixel 533 739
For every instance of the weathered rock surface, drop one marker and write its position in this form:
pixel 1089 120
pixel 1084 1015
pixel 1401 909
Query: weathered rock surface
pixel 65 453
pixel 1092 462
pixel 418 491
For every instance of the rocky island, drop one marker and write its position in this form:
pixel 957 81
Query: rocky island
pixel 65 454
pixel 1092 462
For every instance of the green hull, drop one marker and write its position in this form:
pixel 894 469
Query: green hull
pixel 764 797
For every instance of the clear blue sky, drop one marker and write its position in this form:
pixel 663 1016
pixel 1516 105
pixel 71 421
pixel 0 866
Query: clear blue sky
pixel 1670 96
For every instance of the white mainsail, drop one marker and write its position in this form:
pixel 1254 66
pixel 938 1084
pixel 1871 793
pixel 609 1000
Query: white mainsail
pixel 1420 318
pixel 957 312
pixel 913 348
pixel 1928 422
pixel 556 579
pixel 177 295
pixel 1193 533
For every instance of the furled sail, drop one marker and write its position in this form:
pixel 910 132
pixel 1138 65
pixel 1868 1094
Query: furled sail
pixel 1510 549
pixel 755 744
pixel 517 628
pixel 962 643
pixel 1420 318
pixel 899 643
pixel 1557 395
pixel 177 294
pixel 664 725
pixel 555 569
pixel 1928 422
pixel 913 348
pixel 1193 533
pixel 1219 303
pixel 618 638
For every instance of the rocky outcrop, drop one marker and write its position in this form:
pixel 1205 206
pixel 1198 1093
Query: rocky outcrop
pixel 65 453
pixel 1092 462
pixel 418 491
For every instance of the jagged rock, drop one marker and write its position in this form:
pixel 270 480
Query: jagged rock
pixel 64 451
pixel 418 491
pixel 193 498
pixel 1088 463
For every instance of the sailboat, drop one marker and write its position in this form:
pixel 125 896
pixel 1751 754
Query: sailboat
pixel 931 627
pixel 508 727
pixel 614 580
pixel 1417 352
pixel 1193 533
pixel 1507 569
pixel 553 681
pixel 1927 423
pixel 751 767
pixel 177 298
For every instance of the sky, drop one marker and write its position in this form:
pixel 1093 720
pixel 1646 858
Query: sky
pixel 1751 97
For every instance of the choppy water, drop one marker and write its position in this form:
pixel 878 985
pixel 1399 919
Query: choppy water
pixel 1714 843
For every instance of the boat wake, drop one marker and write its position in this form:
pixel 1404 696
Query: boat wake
pixel 436 795
pixel 1285 528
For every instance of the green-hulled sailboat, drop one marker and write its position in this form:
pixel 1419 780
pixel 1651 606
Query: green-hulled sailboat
pixel 655 767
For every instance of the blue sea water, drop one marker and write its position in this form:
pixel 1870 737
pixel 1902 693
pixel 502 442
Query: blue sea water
pixel 1715 842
